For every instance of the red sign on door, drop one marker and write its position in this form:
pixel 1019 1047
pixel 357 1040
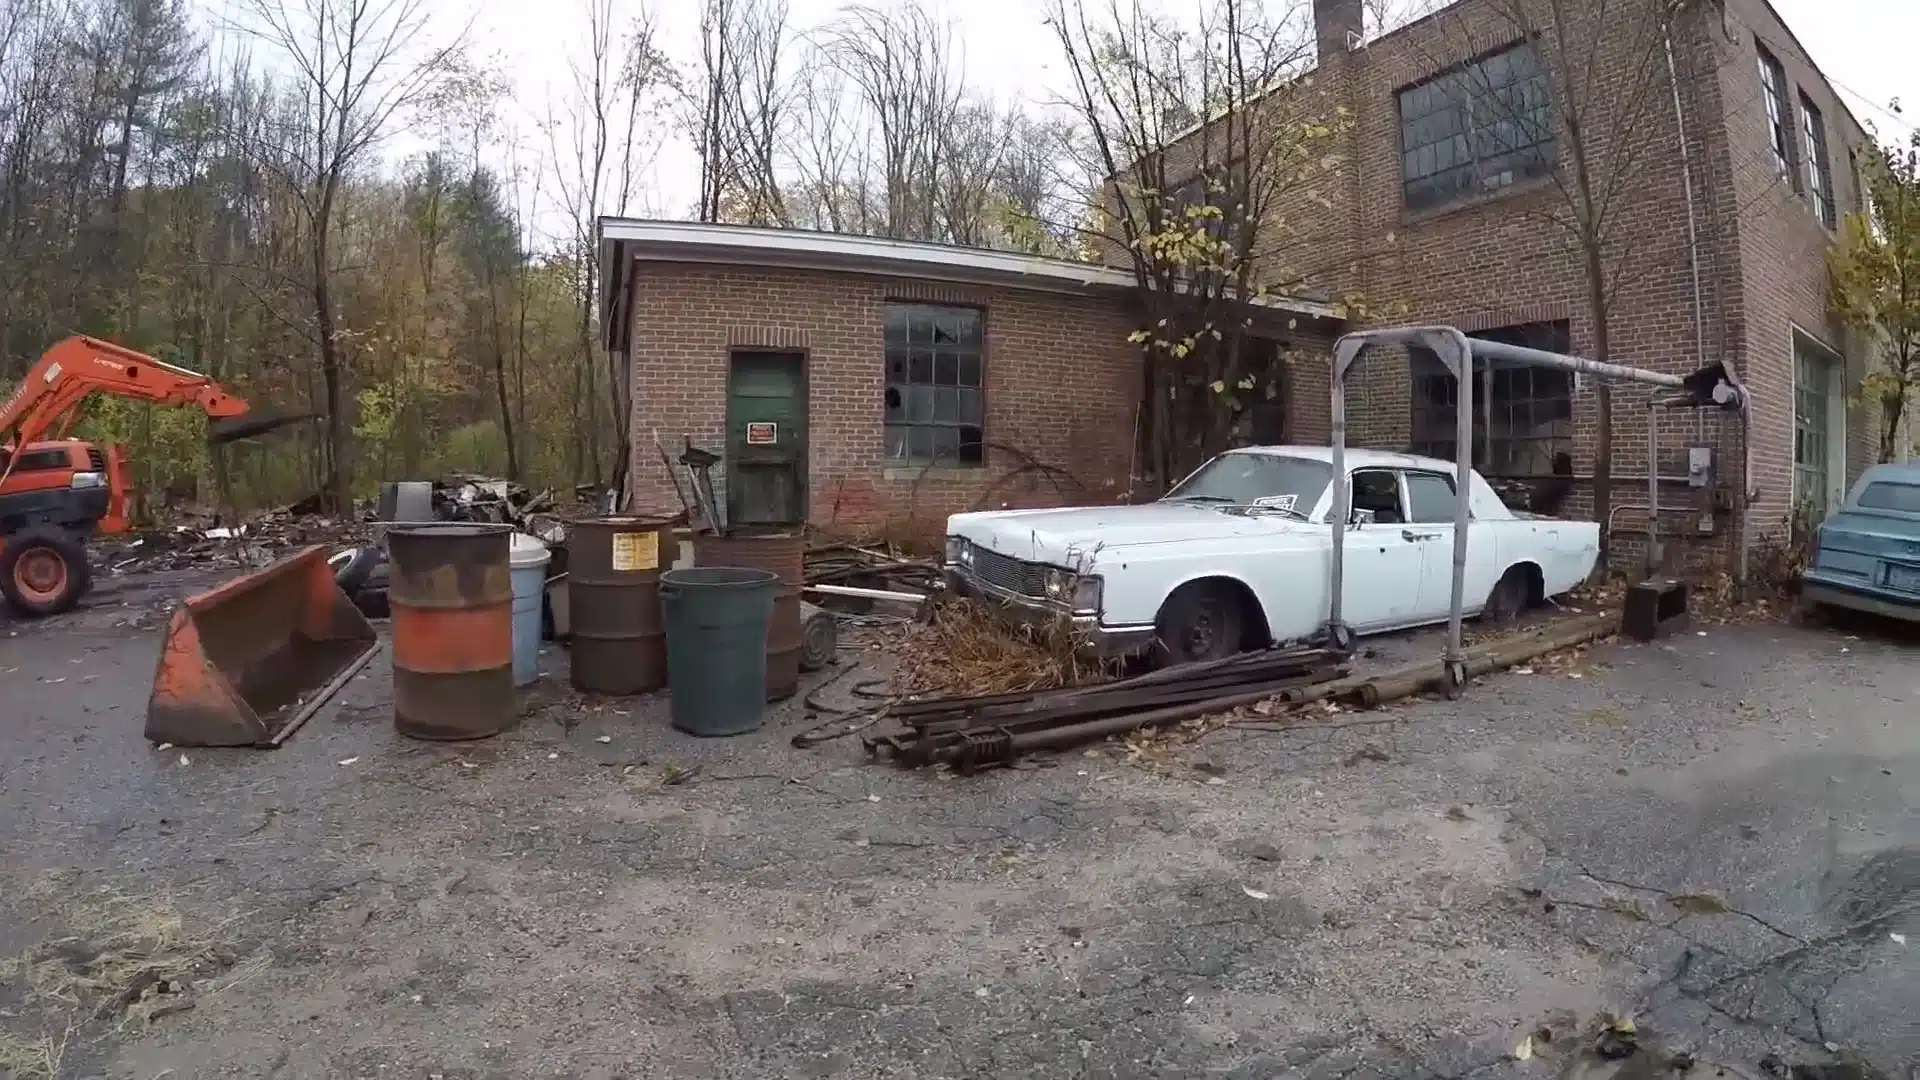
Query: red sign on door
pixel 763 433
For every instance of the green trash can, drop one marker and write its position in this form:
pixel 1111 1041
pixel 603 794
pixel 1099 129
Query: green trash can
pixel 716 620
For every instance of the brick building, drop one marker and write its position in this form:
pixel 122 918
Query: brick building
pixel 918 379
pixel 1733 162
pixel 851 380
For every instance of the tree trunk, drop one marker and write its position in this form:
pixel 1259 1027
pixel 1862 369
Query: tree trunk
pixel 337 496
pixel 1892 408
pixel 1603 403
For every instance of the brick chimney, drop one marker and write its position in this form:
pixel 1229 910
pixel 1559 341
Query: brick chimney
pixel 1333 20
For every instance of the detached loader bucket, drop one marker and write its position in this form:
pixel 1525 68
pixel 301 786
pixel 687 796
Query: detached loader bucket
pixel 247 662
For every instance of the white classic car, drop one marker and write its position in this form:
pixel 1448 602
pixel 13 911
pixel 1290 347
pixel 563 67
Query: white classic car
pixel 1239 555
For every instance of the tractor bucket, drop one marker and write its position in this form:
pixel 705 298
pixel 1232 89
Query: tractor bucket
pixel 247 662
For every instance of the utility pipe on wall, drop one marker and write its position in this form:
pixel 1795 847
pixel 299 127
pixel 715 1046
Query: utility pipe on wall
pixel 1699 323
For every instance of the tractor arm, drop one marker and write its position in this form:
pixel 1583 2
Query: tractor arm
pixel 47 403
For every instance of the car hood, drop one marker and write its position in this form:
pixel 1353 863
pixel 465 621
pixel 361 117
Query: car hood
pixel 1066 537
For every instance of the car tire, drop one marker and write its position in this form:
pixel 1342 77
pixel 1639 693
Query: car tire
pixel 352 574
pixel 1200 621
pixel 1508 599
pixel 43 571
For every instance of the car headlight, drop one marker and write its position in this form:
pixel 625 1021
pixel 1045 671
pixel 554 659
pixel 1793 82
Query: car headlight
pixel 1086 594
pixel 956 550
pixel 1080 592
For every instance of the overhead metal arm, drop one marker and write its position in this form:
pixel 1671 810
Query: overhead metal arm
pixel 1708 386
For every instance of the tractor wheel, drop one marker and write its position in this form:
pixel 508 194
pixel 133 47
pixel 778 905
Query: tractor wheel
pixel 43 571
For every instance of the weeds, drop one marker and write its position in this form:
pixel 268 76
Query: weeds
pixel 38 1059
pixel 125 956
pixel 964 648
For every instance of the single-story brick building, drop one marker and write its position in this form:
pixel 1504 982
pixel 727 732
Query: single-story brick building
pixel 849 380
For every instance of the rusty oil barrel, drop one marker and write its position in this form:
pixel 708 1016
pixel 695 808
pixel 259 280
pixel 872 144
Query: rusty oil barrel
pixel 451 591
pixel 783 553
pixel 613 603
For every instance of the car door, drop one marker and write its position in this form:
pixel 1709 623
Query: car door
pixel 1383 567
pixel 1430 525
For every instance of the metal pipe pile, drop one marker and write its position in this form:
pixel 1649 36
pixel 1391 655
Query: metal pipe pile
pixel 971 733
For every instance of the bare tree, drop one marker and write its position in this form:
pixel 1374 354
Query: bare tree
pixel 1201 133
pixel 358 64
pixel 744 92
pixel 900 64
pixel 1586 99
pixel 609 141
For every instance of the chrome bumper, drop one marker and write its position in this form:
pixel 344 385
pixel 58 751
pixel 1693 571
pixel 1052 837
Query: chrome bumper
pixel 1096 639
pixel 1870 602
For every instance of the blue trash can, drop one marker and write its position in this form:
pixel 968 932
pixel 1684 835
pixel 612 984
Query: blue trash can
pixel 529 573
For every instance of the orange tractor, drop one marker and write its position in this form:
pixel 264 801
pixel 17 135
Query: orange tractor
pixel 56 492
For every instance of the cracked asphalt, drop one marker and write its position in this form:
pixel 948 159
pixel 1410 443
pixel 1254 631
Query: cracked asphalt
pixel 1717 834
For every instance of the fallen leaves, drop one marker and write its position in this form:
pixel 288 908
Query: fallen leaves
pixel 1626 909
pixel 1255 893
pixel 1699 903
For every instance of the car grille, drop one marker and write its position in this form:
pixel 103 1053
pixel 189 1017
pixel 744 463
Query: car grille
pixel 1004 572
pixel 96 459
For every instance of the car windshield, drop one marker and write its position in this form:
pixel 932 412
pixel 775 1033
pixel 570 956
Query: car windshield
pixel 1289 484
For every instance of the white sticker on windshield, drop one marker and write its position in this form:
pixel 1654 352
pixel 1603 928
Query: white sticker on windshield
pixel 1278 502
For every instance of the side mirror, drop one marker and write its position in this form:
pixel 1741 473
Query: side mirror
pixel 1360 518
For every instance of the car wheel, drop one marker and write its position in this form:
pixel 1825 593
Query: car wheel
pixel 43 572
pixel 1201 621
pixel 1508 598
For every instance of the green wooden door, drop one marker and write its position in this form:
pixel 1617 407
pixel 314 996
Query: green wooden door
pixel 767 439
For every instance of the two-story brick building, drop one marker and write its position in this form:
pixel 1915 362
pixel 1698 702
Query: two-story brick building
pixel 1724 161
pixel 915 379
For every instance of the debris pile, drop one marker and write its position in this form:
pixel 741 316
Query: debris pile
pixel 205 542
pixel 491 499
pixel 970 733
pixel 964 649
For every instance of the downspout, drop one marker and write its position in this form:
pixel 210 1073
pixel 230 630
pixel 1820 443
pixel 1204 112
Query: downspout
pixel 1699 322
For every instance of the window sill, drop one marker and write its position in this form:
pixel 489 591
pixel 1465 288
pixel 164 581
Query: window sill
pixel 1473 202
pixel 896 471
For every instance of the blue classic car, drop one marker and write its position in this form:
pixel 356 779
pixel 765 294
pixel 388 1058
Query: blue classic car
pixel 1867 556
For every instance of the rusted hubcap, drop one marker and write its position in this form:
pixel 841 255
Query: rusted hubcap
pixel 40 574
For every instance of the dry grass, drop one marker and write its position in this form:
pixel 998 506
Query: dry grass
pixel 964 649
pixel 38 1059
pixel 133 958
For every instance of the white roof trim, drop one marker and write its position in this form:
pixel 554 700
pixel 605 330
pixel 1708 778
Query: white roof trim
pixel 686 241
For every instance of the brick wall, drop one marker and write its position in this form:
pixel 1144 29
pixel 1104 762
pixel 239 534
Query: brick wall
pixel 1061 382
pixel 1782 245
pixel 1508 256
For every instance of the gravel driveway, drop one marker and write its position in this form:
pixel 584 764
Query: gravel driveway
pixel 1716 835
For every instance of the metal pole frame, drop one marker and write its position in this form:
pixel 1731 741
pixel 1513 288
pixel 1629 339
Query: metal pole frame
pixel 1457 351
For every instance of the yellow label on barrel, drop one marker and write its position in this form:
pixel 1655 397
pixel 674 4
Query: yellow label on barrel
pixel 636 551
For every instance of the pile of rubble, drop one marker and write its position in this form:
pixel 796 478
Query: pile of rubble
pixel 206 540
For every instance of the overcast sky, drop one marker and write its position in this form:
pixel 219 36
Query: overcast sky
pixel 1866 47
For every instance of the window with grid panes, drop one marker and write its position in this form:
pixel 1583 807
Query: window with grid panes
pixel 1819 169
pixel 1812 402
pixel 1531 408
pixel 1479 127
pixel 935 385
pixel 1773 90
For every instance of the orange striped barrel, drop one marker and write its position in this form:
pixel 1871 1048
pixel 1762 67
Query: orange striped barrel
pixel 451 591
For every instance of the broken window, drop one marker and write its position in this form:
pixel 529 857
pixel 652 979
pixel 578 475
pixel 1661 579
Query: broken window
pixel 1819 168
pixel 1479 127
pixel 935 385
pixel 1523 415
pixel 1261 418
pixel 1773 88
